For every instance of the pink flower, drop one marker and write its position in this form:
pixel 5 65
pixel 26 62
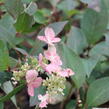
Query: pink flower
pixel 66 73
pixel 51 55
pixel 32 81
pixel 44 100
pixel 52 68
pixel 49 37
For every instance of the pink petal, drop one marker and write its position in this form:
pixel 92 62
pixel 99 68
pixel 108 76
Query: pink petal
pixel 37 82
pixel 49 33
pixel 51 54
pixel 57 60
pixel 30 90
pixel 54 40
pixel 63 74
pixel 70 72
pixel 44 100
pixel 42 38
pixel 40 97
pixel 43 104
pixel 30 75
pixel 66 73
pixel 52 68
pixel 41 63
pixel 40 59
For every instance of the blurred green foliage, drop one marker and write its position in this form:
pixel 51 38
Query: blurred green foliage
pixel 83 26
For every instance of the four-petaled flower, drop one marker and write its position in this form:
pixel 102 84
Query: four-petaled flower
pixel 52 56
pixel 44 100
pixel 32 81
pixel 49 37
pixel 66 72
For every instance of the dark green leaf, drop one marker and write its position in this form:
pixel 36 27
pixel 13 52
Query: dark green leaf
pixel 90 64
pixel 86 1
pixel 22 51
pixel 98 92
pixel 67 5
pixel 7 30
pixel 7 88
pixel 24 23
pixel 14 7
pixel 54 2
pixel 100 49
pixel 57 27
pixel 16 90
pixel 4 57
pixel 1 105
pixel 13 62
pixel 40 18
pixel 76 40
pixel 71 105
pixel 5 76
pixel 93 25
pixel 27 1
pixel 31 9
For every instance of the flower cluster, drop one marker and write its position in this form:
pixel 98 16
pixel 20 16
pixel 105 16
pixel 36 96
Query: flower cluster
pixel 48 63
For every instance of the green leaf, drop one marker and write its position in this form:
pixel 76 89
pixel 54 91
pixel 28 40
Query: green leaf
pixel 34 100
pixel 98 92
pixel 22 51
pixel 27 1
pixel 71 60
pixel 92 25
pixel 100 49
pixel 46 12
pixel 7 88
pixel 71 105
pixel 67 90
pixel 67 5
pixel 86 1
pixel 14 7
pixel 5 76
pixel 106 2
pixel 13 62
pixel 12 93
pixel 7 30
pixel 18 40
pixel 76 40
pixel 90 63
pixel 31 9
pixel 4 57
pixel 39 17
pixel 54 2
pixel 24 23
pixel 107 38
pixel 56 26
pixel 1 105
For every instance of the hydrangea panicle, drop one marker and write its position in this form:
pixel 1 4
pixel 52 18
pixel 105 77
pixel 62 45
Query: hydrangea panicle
pixel 49 67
